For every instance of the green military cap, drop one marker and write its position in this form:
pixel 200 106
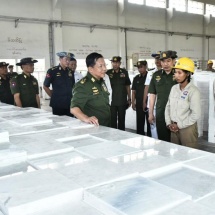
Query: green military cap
pixel 3 64
pixel 116 59
pixel 26 60
pixel 168 54
pixel 141 63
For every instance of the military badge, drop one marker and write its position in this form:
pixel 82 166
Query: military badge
pixel 104 87
pixel 111 76
pixel 158 78
pixel 95 90
pixel 122 75
pixel 70 74
pixel 93 79
pixel 34 83
pixel 164 55
pixel 58 74
pixel 83 81
pixel 48 75
pixel 13 84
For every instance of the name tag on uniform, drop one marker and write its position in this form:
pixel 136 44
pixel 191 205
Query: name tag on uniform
pixel 185 94
pixel 34 83
pixel 122 75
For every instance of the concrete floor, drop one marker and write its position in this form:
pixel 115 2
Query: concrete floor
pixel 203 143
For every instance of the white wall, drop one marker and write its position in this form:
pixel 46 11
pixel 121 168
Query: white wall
pixel 108 42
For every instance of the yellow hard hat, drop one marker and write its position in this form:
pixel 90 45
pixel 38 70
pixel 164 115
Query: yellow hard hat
pixel 185 63
pixel 210 61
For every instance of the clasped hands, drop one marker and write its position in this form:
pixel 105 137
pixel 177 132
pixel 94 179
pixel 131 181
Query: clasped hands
pixel 173 127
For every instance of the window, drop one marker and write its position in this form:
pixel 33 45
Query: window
pixel 156 3
pixel 210 9
pixel 179 5
pixel 195 7
pixel 140 2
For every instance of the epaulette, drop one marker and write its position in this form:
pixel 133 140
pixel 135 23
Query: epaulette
pixel 83 80
pixel 54 67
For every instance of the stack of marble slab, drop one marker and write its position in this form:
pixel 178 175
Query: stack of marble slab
pixel 38 191
pixel 90 170
pixel 202 81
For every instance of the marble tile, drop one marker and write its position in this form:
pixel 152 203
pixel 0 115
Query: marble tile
pixel 81 140
pixel 208 201
pixel 76 124
pixel 38 148
pixel 194 183
pixel 189 208
pixel 143 164
pixel 15 130
pixel 59 161
pixel 134 196
pixel 177 152
pixel 4 136
pixel 115 135
pixel 141 142
pixel 106 149
pixel 38 191
pixel 11 154
pixel 95 172
pixel 79 208
pixel 203 164
pixel 30 121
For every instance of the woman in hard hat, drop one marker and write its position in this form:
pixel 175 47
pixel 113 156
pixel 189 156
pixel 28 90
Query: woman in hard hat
pixel 183 107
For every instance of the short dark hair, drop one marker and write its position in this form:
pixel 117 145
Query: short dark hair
pixel 92 58
pixel 73 59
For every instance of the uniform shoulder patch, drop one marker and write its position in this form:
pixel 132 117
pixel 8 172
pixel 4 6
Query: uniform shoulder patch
pixel 83 80
pixel 55 67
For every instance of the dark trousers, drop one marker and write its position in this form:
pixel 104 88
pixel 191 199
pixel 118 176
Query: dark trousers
pixel 162 130
pixel 118 117
pixel 142 117
pixel 62 112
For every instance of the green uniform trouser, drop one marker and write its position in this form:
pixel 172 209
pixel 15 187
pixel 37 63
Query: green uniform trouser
pixel 162 130
pixel 186 136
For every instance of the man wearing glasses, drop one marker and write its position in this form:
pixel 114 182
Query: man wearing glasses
pixel 62 80
pixel 90 102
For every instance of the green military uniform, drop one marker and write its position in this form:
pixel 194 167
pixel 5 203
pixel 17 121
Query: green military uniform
pixel 119 81
pixel 5 92
pixel 92 97
pixel 160 85
pixel 28 88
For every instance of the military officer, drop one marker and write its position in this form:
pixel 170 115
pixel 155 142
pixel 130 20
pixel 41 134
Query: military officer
pixel 90 102
pixel 138 86
pixel 72 66
pixel 11 73
pixel 5 92
pixel 24 86
pixel 121 93
pixel 62 80
pixel 159 89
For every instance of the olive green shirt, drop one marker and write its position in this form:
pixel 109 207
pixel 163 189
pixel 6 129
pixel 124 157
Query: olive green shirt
pixel 92 97
pixel 160 85
pixel 119 81
pixel 27 87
